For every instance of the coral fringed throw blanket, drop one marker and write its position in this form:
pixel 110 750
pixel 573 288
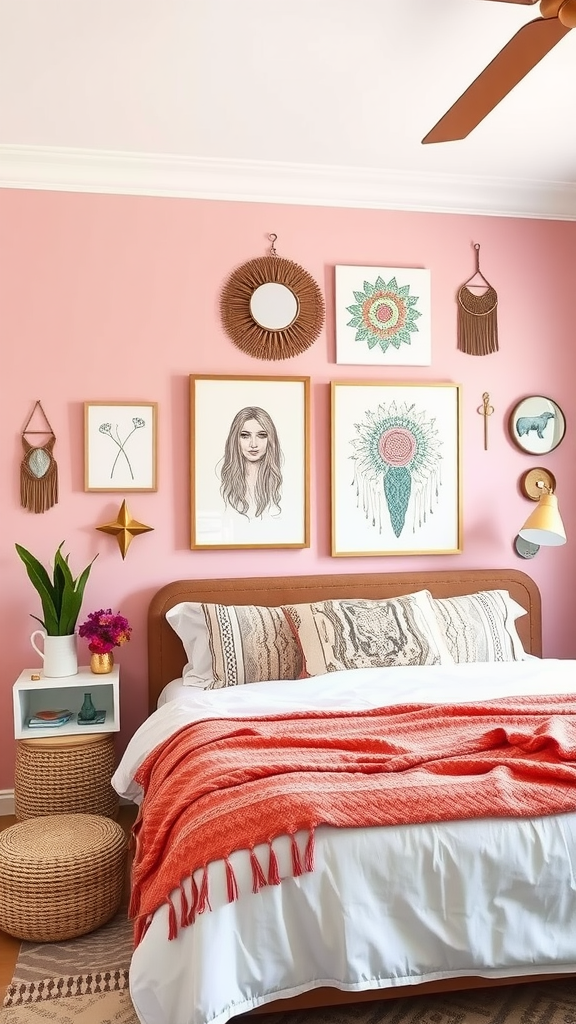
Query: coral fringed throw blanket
pixel 224 785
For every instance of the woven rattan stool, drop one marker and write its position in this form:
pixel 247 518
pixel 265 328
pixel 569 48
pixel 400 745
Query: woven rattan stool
pixel 65 775
pixel 61 875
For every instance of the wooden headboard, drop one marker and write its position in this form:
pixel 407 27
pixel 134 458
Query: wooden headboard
pixel 166 656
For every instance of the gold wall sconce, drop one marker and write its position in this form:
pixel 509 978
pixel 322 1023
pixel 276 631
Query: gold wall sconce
pixel 544 526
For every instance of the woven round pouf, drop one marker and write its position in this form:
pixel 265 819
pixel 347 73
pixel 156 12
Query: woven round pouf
pixel 61 875
pixel 65 775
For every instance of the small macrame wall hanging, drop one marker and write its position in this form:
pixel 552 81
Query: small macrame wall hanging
pixel 38 469
pixel 477 314
pixel 271 307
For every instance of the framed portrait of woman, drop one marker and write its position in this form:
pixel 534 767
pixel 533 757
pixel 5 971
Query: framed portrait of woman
pixel 250 462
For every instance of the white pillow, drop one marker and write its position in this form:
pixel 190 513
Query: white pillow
pixel 189 623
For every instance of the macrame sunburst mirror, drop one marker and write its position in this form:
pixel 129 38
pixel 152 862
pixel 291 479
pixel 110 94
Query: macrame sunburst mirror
pixel 272 308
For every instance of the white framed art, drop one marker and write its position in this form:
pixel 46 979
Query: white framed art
pixel 250 458
pixel 383 316
pixel 120 446
pixel 396 469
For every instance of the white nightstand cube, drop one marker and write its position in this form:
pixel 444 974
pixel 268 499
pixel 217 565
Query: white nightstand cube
pixel 32 695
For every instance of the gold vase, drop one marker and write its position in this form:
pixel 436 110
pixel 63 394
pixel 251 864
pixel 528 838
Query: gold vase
pixel 102 663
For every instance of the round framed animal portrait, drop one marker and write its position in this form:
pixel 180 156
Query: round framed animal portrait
pixel 537 425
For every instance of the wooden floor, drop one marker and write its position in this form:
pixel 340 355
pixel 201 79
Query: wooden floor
pixel 9 946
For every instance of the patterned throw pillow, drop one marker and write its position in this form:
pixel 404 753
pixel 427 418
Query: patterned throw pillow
pixel 227 645
pixel 360 633
pixel 481 626
pixel 250 644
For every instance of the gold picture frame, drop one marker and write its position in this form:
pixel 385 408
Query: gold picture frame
pixel 396 468
pixel 249 462
pixel 292 301
pixel 120 446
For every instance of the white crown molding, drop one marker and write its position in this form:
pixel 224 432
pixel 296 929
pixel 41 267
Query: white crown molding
pixel 74 170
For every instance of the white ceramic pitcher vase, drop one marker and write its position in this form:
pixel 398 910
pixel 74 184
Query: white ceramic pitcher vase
pixel 59 654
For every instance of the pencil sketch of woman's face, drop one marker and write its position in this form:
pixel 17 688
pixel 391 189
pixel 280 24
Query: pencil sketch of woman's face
pixel 253 440
pixel 251 473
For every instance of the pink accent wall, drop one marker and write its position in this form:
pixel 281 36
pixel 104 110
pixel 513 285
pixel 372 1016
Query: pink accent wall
pixel 116 297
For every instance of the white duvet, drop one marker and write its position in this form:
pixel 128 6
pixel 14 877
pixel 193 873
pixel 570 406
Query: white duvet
pixel 384 906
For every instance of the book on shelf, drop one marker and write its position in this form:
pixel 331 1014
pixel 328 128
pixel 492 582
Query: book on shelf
pixel 43 719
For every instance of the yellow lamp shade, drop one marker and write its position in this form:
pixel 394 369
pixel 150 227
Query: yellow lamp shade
pixel 545 525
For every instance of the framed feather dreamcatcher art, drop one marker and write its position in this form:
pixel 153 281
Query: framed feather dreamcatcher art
pixel 396 469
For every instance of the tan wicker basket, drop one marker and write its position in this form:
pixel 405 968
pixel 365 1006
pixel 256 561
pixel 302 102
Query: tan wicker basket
pixel 60 875
pixel 65 775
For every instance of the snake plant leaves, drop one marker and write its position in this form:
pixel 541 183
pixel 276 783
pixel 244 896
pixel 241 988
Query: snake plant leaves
pixel 61 596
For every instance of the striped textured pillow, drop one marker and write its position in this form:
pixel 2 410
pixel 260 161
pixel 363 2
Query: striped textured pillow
pixel 481 626
pixel 250 644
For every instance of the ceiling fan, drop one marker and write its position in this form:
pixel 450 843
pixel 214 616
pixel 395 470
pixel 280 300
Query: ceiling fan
pixel 530 44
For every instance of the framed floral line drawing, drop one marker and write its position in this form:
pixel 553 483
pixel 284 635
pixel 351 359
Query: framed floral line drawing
pixel 383 316
pixel 396 469
pixel 120 440
pixel 250 458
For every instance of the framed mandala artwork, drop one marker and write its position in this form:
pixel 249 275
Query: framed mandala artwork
pixel 383 316
pixel 396 469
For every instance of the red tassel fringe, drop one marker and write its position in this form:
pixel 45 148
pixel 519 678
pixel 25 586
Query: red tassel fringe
pixel 309 853
pixel 193 909
pixel 296 859
pixel 172 925
pixel 273 872
pixel 199 896
pixel 183 907
pixel 203 901
pixel 141 926
pixel 258 876
pixel 231 883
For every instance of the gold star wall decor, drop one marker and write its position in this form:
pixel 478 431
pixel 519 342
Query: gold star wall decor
pixel 124 528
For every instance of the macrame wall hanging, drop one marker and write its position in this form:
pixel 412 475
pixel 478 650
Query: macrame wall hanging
pixel 477 314
pixel 38 469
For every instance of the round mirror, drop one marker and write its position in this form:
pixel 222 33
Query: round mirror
pixel 537 425
pixel 273 306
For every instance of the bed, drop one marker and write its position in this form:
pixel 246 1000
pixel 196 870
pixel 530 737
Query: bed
pixel 232 958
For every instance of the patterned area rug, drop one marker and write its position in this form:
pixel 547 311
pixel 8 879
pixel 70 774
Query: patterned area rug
pixel 85 981
pixel 81 981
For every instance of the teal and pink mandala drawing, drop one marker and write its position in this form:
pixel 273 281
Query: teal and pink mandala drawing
pixel 384 314
pixel 397 458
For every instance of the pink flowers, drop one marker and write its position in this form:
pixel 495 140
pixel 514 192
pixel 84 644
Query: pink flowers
pixel 103 631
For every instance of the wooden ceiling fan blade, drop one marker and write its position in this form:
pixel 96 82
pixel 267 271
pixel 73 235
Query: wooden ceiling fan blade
pixel 530 44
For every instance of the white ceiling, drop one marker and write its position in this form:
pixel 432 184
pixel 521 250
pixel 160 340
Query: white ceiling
pixel 306 100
